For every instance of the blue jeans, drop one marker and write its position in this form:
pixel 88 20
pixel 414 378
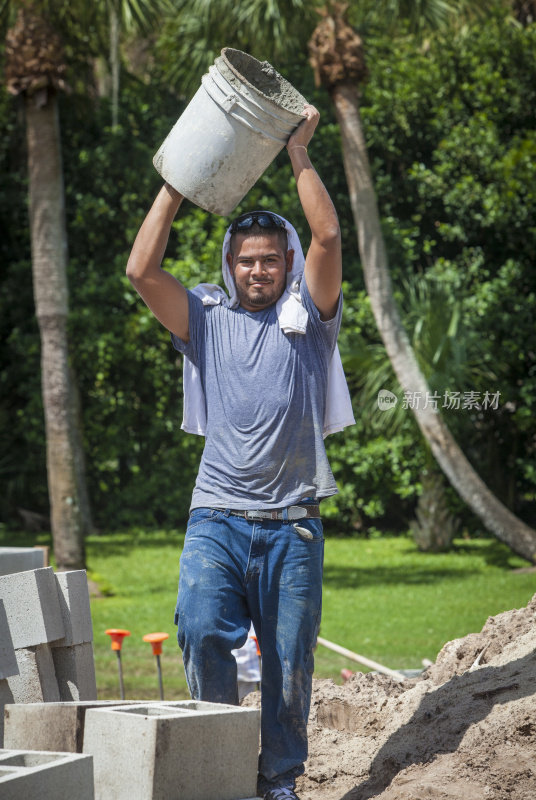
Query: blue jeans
pixel 233 570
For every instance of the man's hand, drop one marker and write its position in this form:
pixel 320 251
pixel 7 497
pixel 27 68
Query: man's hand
pixel 305 130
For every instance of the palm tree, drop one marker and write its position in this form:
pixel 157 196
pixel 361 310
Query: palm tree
pixel 338 61
pixel 136 16
pixel 35 70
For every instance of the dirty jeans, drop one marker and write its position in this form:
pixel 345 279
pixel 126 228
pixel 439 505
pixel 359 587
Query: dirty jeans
pixel 233 570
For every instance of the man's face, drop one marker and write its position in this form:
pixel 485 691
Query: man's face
pixel 259 267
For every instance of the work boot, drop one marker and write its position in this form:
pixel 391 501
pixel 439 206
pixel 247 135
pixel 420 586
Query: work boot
pixel 281 793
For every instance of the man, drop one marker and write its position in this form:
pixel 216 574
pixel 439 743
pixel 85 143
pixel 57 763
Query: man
pixel 254 543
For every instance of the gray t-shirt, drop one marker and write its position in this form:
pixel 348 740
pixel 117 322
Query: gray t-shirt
pixel 265 394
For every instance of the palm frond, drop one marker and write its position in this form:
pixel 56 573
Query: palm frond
pixel 143 16
pixel 199 29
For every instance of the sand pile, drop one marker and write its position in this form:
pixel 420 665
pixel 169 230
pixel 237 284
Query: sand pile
pixel 462 730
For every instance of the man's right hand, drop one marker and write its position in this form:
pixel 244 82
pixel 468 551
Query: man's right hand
pixel 162 293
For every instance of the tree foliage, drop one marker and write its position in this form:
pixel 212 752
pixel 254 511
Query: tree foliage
pixel 452 140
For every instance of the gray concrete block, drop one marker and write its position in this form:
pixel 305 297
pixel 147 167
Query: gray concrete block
pixel 32 607
pixel 75 672
pixel 8 661
pixel 36 681
pixel 167 751
pixel 73 594
pixel 20 559
pixel 45 776
pixel 50 726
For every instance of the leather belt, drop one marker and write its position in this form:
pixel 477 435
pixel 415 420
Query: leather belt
pixel 293 513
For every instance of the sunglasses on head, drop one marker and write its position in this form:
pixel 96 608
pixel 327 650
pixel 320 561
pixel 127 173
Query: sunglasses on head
pixel 264 219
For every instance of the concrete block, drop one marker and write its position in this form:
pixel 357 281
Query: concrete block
pixel 75 672
pixel 20 559
pixel 172 751
pixel 45 776
pixel 36 681
pixel 32 607
pixel 50 726
pixel 73 594
pixel 8 661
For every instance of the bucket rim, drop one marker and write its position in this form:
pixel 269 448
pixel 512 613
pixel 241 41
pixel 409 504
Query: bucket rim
pixel 251 86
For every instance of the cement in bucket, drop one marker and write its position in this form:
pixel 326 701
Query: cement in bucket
pixel 237 122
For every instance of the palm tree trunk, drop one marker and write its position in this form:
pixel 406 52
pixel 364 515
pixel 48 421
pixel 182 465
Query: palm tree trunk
pixel 494 515
pixel 114 61
pixel 49 262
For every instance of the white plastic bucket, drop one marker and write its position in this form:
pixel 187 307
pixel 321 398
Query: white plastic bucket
pixel 237 122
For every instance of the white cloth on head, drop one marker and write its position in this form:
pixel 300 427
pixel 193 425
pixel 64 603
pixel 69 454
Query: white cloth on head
pixel 292 318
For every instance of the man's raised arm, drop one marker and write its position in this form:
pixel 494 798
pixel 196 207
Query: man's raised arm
pixel 323 263
pixel 161 292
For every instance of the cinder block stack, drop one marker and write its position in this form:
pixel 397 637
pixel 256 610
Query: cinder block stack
pixel 46 653
pixel 63 743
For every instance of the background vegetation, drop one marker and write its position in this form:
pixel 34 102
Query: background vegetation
pixel 450 129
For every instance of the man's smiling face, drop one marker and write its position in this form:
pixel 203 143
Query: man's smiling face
pixel 259 267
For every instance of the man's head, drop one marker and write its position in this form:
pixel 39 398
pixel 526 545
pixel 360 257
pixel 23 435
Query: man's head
pixel 259 259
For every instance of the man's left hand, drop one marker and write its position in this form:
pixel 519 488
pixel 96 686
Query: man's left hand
pixel 305 130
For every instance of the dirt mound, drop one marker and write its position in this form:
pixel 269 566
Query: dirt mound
pixel 464 730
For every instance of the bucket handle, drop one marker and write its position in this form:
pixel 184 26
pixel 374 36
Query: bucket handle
pixel 227 102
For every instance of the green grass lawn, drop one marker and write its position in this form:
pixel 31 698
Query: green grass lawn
pixel 382 599
pixel 391 603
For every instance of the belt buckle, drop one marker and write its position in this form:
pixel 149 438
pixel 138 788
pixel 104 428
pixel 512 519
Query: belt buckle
pixel 254 515
pixel 297 512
